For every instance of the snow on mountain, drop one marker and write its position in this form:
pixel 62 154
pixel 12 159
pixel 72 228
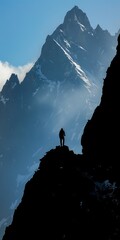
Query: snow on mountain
pixel 78 69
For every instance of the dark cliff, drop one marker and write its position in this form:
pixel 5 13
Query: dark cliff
pixel 75 196
pixel 64 201
pixel 101 134
pixel 52 205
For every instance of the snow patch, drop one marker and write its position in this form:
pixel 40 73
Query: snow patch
pixel 79 71
pixel 82 27
pixel 67 43
pixel 82 48
pixel 4 100
pixel 90 33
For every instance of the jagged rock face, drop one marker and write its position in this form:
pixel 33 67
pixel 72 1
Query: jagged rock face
pixel 61 90
pixel 99 139
pixel 10 85
pixel 63 201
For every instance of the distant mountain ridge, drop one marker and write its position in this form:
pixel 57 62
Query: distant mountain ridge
pixel 61 90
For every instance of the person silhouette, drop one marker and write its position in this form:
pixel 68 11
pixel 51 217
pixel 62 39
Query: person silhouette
pixel 62 137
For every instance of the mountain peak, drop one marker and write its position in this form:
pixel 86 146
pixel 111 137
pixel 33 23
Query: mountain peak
pixel 76 8
pixel 10 84
pixel 78 16
pixel 98 27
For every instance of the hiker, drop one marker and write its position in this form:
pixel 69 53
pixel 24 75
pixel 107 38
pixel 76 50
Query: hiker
pixel 62 137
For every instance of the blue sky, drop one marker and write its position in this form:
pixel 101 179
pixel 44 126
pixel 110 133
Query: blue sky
pixel 25 24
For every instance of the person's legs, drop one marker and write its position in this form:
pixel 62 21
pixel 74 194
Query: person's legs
pixel 63 141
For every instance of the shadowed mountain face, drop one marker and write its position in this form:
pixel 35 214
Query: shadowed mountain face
pixel 63 201
pixel 75 196
pixel 100 137
pixel 61 90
